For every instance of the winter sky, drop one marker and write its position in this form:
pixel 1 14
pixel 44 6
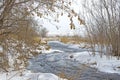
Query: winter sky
pixel 63 27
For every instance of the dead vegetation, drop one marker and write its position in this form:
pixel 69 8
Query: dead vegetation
pixel 103 25
pixel 73 39
pixel 18 46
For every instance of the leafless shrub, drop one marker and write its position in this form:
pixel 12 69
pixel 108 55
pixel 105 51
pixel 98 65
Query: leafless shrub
pixel 18 47
pixel 16 32
pixel 43 32
pixel 103 25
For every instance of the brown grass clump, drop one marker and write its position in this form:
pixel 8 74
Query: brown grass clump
pixel 73 39
pixel 64 39
pixel 21 45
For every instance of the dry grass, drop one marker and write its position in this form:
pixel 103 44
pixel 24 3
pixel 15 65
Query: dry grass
pixel 62 75
pixel 104 30
pixel 73 76
pixel 73 39
pixel 13 43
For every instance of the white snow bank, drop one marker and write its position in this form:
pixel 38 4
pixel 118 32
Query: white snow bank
pixel 74 46
pixel 27 75
pixel 77 46
pixel 104 64
pixel 52 51
pixel 58 42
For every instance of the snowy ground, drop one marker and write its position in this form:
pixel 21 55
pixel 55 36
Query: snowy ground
pixel 103 64
pixel 27 75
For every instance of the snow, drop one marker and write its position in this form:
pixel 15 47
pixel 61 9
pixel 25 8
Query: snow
pixel 104 64
pixel 77 46
pixel 108 64
pixel 52 51
pixel 62 27
pixel 27 75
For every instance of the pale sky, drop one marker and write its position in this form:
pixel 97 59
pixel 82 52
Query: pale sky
pixel 63 27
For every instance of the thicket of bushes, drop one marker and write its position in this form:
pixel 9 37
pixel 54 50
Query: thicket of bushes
pixel 103 25
pixel 18 46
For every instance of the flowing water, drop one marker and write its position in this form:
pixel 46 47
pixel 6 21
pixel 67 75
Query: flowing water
pixel 60 64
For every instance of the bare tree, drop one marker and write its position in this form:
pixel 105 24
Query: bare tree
pixel 43 32
pixel 103 24
pixel 15 19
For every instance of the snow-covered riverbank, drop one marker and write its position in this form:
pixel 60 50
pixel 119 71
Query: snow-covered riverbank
pixel 70 60
pixel 28 75
pixel 105 64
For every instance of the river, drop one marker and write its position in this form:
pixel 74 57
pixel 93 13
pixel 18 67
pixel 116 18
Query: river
pixel 60 64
